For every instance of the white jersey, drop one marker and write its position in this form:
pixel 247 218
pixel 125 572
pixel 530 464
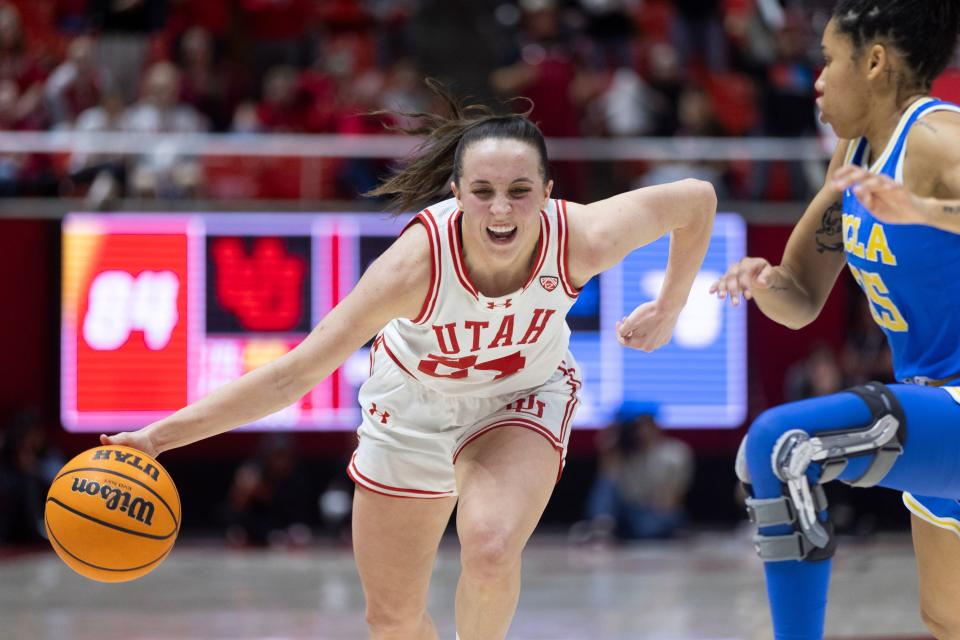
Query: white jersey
pixel 463 342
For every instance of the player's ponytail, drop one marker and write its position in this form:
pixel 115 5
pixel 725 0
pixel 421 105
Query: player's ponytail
pixel 439 158
pixel 925 31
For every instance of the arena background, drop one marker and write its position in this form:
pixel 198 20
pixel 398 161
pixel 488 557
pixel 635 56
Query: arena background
pixel 267 104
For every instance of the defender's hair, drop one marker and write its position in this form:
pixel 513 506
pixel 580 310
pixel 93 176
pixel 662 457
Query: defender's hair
pixel 925 31
pixel 439 158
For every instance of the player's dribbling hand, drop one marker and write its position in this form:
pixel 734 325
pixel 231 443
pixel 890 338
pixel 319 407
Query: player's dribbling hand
pixel 886 200
pixel 134 439
pixel 649 327
pixel 742 278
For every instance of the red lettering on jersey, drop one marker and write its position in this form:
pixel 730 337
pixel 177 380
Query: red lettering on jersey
pixel 504 333
pixel 476 326
pixel 460 365
pixel 507 365
pixel 535 330
pixel 454 346
pixel 529 405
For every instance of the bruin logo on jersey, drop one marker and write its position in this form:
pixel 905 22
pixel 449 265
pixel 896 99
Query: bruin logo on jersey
pixel 549 282
pixel 138 509
pixel 128 458
pixel 383 415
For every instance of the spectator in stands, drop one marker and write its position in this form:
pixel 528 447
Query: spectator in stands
pixel 28 464
pixel 270 497
pixel 279 31
pixel 163 171
pixel 105 175
pixel 76 84
pixel 19 64
pixel 699 34
pixel 819 374
pixel 206 84
pixel 124 30
pixel 642 481
pixel 789 107
pixel 696 117
pixel 284 108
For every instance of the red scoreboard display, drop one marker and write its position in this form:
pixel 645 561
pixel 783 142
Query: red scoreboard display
pixel 160 309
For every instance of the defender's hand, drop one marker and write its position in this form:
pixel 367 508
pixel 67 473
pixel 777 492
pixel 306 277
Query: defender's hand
pixel 888 201
pixel 742 278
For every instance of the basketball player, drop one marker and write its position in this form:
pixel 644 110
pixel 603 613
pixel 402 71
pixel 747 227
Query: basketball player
pixel 890 210
pixel 472 386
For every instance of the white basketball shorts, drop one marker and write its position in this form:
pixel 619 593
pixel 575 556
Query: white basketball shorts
pixel 411 436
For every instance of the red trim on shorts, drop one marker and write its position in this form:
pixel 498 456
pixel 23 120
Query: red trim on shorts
pixel 370 484
pixel 457 253
pixel 572 402
pixel 512 422
pixel 425 218
pixel 562 258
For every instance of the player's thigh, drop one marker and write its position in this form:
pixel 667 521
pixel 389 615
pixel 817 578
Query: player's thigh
pixel 938 568
pixel 395 542
pixel 504 479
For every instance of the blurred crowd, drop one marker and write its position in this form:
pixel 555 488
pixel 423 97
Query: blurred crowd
pixel 592 68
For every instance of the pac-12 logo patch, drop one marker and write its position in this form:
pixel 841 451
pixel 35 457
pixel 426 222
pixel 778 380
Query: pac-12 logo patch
pixel 549 282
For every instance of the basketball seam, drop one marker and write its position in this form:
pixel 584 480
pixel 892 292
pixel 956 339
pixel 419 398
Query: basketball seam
pixel 111 525
pixel 94 566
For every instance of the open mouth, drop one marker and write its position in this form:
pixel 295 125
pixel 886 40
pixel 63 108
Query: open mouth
pixel 501 234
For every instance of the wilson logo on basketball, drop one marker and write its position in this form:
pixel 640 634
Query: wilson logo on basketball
pixel 137 509
pixel 549 282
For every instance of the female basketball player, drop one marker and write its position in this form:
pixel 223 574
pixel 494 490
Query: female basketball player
pixel 890 210
pixel 468 306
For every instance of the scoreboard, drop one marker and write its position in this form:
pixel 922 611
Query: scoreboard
pixel 159 309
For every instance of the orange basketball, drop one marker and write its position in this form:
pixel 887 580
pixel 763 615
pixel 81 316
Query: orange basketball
pixel 112 514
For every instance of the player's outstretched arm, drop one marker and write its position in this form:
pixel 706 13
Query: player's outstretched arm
pixel 793 292
pixel 931 193
pixel 605 232
pixel 394 286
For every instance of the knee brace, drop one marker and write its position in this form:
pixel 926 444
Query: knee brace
pixel 803 497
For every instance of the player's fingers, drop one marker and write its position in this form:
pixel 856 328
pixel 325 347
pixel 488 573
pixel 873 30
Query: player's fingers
pixel 846 176
pixel 765 277
pixel 104 439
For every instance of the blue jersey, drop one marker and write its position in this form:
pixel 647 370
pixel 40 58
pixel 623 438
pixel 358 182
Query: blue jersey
pixel 906 271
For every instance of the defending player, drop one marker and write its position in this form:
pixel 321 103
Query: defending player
pixel 890 210
pixel 472 388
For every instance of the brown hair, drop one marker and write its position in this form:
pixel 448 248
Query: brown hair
pixel 438 160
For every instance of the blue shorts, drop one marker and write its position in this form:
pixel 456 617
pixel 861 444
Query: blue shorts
pixel 940 512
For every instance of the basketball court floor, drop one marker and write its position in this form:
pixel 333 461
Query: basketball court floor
pixel 705 587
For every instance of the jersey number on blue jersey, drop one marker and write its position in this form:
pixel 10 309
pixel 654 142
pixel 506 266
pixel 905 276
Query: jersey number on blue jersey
pixel 884 312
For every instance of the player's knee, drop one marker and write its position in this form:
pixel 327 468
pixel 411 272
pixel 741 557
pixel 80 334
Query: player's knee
pixel 764 433
pixel 943 622
pixel 488 551
pixel 391 619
